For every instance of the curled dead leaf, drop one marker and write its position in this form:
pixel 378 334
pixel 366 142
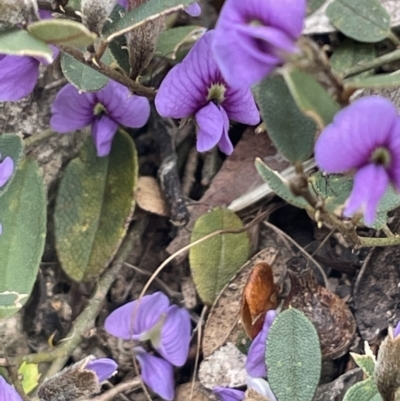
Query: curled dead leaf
pixel 149 197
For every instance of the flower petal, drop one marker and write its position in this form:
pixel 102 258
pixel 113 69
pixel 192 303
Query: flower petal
pixel 225 144
pixel 103 367
pixel 18 77
pixel 156 373
pixel 72 110
pixel 7 392
pixel 103 131
pixel 228 394
pixel 255 363
pixel 370 184
pixel 126 109
pixel 210 122
pixel 396 330
pixel 194 9
pixel 175 336
pixel 356 131
pixel 240 106
pixel 261 386
pixel 147 312
pixel 185 88
pixel 6 170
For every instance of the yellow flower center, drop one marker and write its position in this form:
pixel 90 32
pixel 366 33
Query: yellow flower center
pixel 216 93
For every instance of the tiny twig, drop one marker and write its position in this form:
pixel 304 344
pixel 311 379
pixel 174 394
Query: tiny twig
pixel 39 137
pixel 117 389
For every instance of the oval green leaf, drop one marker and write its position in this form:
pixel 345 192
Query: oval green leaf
pixel 169 41
pixel 23 220
pixel 376 81
pixel 293 357
pixel 147 11
pixel 279 185
pixel 11 145
pixel 93 206
pixel 21 43
pixel 362 20
pixel 216 260
pixel 62 32
pixel 363 391
pixel 311 98
pixel 84 78
pixel 289 129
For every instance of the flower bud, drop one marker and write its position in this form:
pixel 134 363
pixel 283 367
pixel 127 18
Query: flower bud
pixel 95 13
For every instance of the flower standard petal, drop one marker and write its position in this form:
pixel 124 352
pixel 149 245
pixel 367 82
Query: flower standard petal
pixel 157 373
pixel 174 340
pixel 72 110
pixel 194 9
pixel 146 312
pixel 6 170
pixel 103 367
pixel 126 109
pixel 255 363
pixel 240 106
pixel 18 77
pixel 103 131
pixel 228 394
pixel 7 392
pixel 210 124
pixel 370 184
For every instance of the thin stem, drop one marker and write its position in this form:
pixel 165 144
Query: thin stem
pixel 117 389
pixel 376 62
pixel 366 241
pixel 393 38
pixel 41 136
pixel 106 70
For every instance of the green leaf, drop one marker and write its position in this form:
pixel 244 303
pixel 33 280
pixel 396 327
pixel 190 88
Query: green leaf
pixel 216 260
pixel 279 185
pixel 30 376
pixel 20 43
pixel 146 11
pixel 362 20
pixel 376 81
pixel 314 5
pixel 293 357
pixel 350 53
pixel 363 391
pixel 289 129
pixel 311 98
pixel 169 41
pixel 62 32
pixel 11 145
pixel 23 220
pixel 84 78
pixel 365 362
pixel 93 206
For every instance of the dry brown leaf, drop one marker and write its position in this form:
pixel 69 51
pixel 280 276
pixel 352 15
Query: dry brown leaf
pixel 184 391
pixel 149 197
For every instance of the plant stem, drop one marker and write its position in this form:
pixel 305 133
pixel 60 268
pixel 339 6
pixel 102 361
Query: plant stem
pixel 106 70
pixel 366 241
pixel 393 38
pixel 376 62
pixel 39 137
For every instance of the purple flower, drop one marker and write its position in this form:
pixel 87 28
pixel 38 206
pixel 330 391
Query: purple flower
pixel 253 36
pixel 229 394
pixel 6 169
pixel 195 88
pixel 194 9
pixel 363 137
pixel 396 330
pixel 255 363
pixel 7 392
pixel 105 110
pixel 157 373
pixel 103 367
pixel 168 329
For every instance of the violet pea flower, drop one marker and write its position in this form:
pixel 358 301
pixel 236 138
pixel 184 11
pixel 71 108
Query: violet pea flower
pixel 255 362
pixel 252 37
pixel 103 367
pixel 364 137
pixel 396 330
pixel 195 88
pixel 6 170
pixel 7 392
pixel 104 110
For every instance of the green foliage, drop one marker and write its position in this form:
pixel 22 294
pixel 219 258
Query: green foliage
pixel 362 20
pixel 313 5
pixel 83 77
pixel 146 11
pixel 93 206
pixel 365 362
pixel 171 40
pixel 376 81
pixel 23 219
pixel 289 129
pixel 30 376
pixel 277 183
pixel 311 98
pixel 62 32
pixel 11 145
pixel 363 391
pixel 216 260
pixel 293 357
pixel 22 43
